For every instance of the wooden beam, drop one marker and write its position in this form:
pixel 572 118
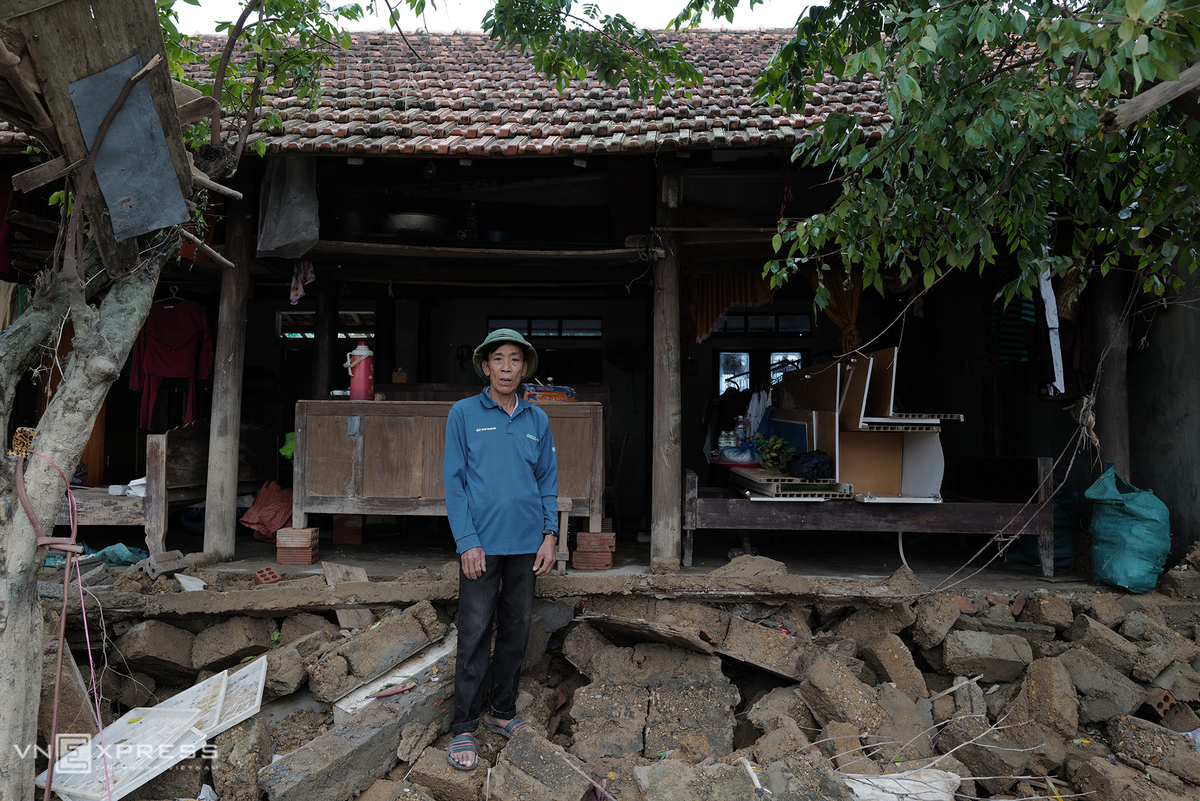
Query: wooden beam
pixel 220 503
pixel 1155 97
pixel 195 110
pixel 666 467
pixel 336 250
pixel 17 8
pixel 44 173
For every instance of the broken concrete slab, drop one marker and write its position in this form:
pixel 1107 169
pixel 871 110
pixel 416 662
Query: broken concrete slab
pixel 1159 646
pixel 157 649
pixel 835 695
pixel 230 641
pixel 783 741
pixel 904 733
pixel 747 566
pixel 242 752
pixel 165 564
pixel 891 660
pixel 287 664
pixel 338 764
pixel 182 780
pixel 781 703
pixel 302 624
pixel 432 669
pixel 997 657
pixel 1102 780
pixel 693 715
pixel 445 783
pixel 702 629
pixel 1156 745
pixel 1181 680
pixel 1103 642
pixel 610 720
pixel 531 767
pixel 1105 610
pixel 1181 582
pixel 936 614
pixel 988 752
pixel 1104 693
pixel 842 745
pixel 1048 610
pixel 803 778
pixel 365 656
pixel 1052 699
pixel 867 624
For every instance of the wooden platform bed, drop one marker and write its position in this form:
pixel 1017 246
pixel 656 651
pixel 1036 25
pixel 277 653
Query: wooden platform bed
pixel 718 508
pixel 176 476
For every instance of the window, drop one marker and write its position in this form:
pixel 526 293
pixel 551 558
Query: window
pixel 783 361
pixel 763 324
pixel 302 325
pixel 734 369
pixel 566 327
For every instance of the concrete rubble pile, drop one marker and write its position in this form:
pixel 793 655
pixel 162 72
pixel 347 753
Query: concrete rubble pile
pixel 633 696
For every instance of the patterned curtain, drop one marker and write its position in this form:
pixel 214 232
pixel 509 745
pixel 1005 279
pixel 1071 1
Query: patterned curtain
pixel 710 296
pixel 843 305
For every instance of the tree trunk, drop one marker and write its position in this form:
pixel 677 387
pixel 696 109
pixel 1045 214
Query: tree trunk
pixel 1110 333
pixel 100 350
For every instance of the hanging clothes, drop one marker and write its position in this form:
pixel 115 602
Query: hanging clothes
pixel 174 343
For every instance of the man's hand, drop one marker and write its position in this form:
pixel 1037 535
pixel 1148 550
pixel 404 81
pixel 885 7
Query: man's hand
pixel 543 563
pixel 474 563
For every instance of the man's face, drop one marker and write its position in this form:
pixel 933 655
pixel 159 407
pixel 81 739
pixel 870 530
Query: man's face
pixel 504 369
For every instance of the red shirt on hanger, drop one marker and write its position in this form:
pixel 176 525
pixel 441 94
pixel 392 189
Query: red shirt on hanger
pixel 173 343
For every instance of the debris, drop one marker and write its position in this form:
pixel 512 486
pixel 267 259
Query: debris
pixel 165 564
pixel 997 657
pixel 368 654
pixel 157 649
pixel 230 641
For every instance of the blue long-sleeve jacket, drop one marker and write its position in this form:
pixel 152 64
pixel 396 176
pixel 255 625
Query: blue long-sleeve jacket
pixel 500 475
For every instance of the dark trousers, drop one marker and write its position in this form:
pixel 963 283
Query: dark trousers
pixel 504 591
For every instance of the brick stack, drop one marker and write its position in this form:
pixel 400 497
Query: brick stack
pixel 296 546
pixel 594 550
pixel 347 529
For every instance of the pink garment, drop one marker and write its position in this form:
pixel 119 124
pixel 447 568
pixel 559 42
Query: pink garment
pixel 174 343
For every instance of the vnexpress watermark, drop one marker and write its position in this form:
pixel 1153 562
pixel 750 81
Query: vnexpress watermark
pixel 76 753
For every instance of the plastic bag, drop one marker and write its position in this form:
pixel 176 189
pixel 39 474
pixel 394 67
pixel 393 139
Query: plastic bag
pixel 925 784
pixel 740 454
pixel 814 464
pixel 288 225
pixel 1131 533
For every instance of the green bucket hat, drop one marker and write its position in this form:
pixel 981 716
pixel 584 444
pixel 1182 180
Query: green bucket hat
pixel 507 335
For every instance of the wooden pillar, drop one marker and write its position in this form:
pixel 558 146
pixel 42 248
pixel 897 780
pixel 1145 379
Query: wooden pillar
pixel 220 500
pixel 425 338
pixel 324 336
pixel 385 338
pixel 1110 329
pixel 666 465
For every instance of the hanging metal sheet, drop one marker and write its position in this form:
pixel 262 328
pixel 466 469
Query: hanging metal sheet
pixel 134 167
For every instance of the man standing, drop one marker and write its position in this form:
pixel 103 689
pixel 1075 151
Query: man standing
pixel 501 479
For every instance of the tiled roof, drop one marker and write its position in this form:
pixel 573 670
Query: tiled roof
pixel 464 97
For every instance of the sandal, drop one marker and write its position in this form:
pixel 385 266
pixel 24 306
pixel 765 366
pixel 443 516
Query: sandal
pixel 515 725
pixel 460 744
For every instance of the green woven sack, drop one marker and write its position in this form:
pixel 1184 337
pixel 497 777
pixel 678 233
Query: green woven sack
pixel 1131 533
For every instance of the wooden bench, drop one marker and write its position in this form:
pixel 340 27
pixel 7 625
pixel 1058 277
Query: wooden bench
pixel 176 475
pixel 718 508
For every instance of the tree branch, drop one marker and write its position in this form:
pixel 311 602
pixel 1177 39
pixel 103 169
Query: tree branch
pixel 223 64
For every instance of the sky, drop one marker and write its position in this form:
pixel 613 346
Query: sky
pixel 465 15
